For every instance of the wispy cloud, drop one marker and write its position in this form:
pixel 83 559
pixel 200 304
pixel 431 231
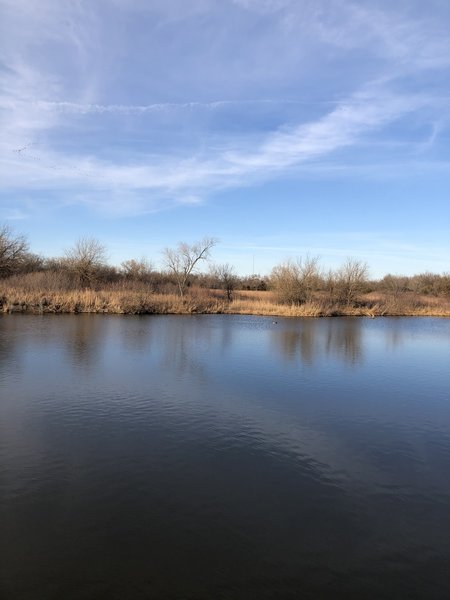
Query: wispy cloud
pixel 344 126
pixel 190 177
pixel 133 109
pixel 56 103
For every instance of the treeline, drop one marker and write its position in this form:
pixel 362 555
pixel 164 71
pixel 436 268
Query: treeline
pixel 84 266
pixel 302 280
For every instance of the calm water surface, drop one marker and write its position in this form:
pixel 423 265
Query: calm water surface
pixel 224 457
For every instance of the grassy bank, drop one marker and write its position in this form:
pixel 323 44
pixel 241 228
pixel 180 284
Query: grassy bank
pixel 203 301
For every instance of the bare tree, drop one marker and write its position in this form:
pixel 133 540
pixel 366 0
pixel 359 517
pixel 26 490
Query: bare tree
pixel 183 260
pixel 85 260
pixel 430 284
pixel 139 270
pixel 295 282
pixel 226 278
pixel 394 285
pixel 445 284
pixel 349 281
pixel 13 251
pixel 31 263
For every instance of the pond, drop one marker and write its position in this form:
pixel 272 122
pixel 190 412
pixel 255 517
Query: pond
pixel 206 457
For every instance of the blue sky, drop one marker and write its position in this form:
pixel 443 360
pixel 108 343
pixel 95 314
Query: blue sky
pixel 281 127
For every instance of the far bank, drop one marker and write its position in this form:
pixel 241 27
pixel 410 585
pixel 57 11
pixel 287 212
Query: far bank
pixel 204 301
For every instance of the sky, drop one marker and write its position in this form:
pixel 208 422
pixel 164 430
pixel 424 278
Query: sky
pixel 280 127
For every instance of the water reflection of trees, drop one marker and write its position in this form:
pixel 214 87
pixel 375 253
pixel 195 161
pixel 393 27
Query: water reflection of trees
pixel 344 340
pixel 184 346
pixel 8 352
pixel 84 337
pixel 136 332
pixel 394 333
pixel 294 341
pixel 311 339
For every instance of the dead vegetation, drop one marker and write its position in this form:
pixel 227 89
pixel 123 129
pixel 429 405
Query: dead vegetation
pixel 142 300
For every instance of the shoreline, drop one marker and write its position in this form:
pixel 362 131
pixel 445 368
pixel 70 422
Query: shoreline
pixel 203 301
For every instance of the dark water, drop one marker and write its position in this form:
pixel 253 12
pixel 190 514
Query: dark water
pixel 224 457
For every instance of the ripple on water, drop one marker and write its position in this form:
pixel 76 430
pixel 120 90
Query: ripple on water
pixel 224 457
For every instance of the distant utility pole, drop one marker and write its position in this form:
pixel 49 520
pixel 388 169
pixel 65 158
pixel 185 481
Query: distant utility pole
pixel 253 267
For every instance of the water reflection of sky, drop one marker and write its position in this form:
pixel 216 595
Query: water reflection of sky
pixel 344 420
pixel 307 386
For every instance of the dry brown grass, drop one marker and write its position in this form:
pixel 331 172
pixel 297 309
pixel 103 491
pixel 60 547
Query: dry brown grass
pixel 199 300
pixel 369 305
pixel 106 301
